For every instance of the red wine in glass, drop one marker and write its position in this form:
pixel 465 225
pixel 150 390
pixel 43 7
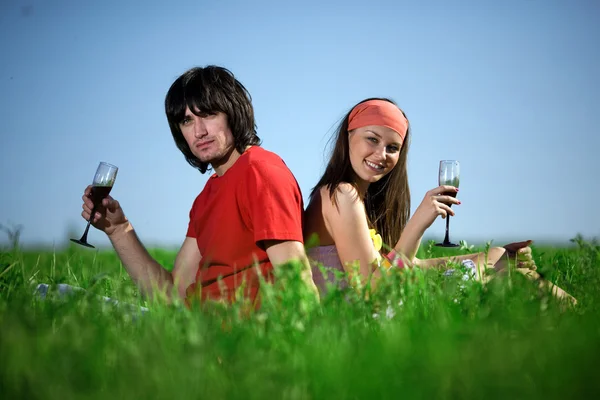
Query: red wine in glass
pixel 449 174
pixel 101 187
pixel 98 193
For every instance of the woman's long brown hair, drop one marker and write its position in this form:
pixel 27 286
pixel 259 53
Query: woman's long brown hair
pixel 387 201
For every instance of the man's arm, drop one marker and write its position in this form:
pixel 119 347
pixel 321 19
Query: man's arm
pixel 274 205
pixel 186 266
pixel 280 252
pixel 148 274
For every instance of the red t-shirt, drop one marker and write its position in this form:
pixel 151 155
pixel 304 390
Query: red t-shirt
pixel 257 199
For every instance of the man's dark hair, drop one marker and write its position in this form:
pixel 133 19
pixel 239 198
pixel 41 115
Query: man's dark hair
pixel 207 91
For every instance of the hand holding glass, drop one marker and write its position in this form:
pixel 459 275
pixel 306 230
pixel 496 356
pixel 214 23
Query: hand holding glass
pixel 101 187
pixel 449 174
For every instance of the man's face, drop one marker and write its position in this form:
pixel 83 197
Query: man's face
pixel 208 136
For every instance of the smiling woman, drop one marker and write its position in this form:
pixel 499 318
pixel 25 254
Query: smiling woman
pixel 365 184
pixel 363 199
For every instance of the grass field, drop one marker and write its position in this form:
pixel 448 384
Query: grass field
pixel 422 335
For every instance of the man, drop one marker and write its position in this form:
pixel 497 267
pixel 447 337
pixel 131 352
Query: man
pixel 249 212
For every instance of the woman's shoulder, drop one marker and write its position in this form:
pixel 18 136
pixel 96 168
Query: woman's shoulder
pixel 346 195
pixel 344 200
pixel 344 192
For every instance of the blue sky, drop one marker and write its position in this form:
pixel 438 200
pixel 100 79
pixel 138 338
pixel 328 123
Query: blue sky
pixel 510 89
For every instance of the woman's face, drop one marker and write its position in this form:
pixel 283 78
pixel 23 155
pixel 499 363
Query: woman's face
pixel 374 152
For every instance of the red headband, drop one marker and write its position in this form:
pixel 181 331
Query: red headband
pixel 378 112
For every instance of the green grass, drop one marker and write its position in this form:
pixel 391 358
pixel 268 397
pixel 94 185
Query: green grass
pixel 447 338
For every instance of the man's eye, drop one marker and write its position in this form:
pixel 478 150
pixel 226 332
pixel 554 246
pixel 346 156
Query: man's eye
pixel 185 121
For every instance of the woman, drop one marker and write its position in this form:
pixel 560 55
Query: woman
pixel 363 199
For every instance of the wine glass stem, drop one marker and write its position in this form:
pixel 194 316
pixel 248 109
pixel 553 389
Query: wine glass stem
pixel 87 228
pixel 447 238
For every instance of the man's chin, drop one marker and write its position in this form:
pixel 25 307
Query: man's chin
pixel 213 160
pixel 208 158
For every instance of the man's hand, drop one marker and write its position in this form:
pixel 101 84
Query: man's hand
pixel 109 217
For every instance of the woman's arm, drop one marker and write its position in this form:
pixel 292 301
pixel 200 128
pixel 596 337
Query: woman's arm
pixel 519 252
pixel 498 258
pixel 434 204
pixel 346 220
pixel 481 260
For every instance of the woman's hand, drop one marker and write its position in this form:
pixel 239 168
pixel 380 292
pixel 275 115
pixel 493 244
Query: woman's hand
pixel 437 202
pixel 518 253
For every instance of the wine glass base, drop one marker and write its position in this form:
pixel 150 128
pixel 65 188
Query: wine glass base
pixel 82 243
pixel 447 244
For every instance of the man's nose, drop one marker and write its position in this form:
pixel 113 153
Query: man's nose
pixel 199 127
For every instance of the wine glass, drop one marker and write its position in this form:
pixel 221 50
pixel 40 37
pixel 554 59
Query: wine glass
pixel 101 187
pixel 449 174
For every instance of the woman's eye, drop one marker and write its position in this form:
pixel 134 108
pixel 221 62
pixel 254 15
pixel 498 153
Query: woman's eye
pixel 393 149
pixel 373 140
